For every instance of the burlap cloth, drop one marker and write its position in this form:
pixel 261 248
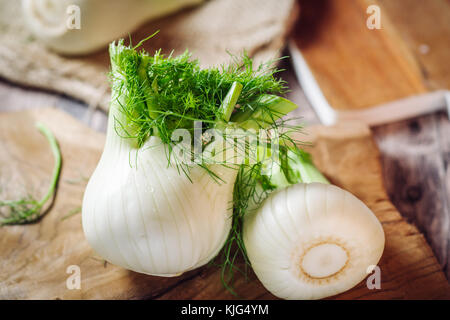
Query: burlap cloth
pixel 208 31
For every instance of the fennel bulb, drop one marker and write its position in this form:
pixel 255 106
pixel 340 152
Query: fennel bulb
pixel 145 210
pixel 310 240
pixel 146 217
pixel 100 21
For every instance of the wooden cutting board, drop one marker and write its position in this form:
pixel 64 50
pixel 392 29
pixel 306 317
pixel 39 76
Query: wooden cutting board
pixel 357 67
pixel 35 257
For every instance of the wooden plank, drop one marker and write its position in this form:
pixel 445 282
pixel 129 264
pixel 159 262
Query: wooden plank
pixel 444 136
pixel 355 67
pixel 425 28
pixel 415 156
pixel 35 257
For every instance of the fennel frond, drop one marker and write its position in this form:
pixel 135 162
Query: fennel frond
pixel 28 209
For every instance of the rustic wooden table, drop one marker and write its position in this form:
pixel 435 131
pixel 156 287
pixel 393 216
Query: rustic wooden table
pixel 415 155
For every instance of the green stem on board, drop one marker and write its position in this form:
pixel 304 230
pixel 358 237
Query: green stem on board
pixel 29 210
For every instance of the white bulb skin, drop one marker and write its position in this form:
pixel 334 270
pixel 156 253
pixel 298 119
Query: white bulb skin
pixel 311 241
pixel 102 21
pixel 142 215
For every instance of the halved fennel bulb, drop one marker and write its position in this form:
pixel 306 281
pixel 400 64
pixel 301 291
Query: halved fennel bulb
pixel 310 241
pixel 146 216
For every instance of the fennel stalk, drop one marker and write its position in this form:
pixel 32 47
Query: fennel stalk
pixel 28 210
